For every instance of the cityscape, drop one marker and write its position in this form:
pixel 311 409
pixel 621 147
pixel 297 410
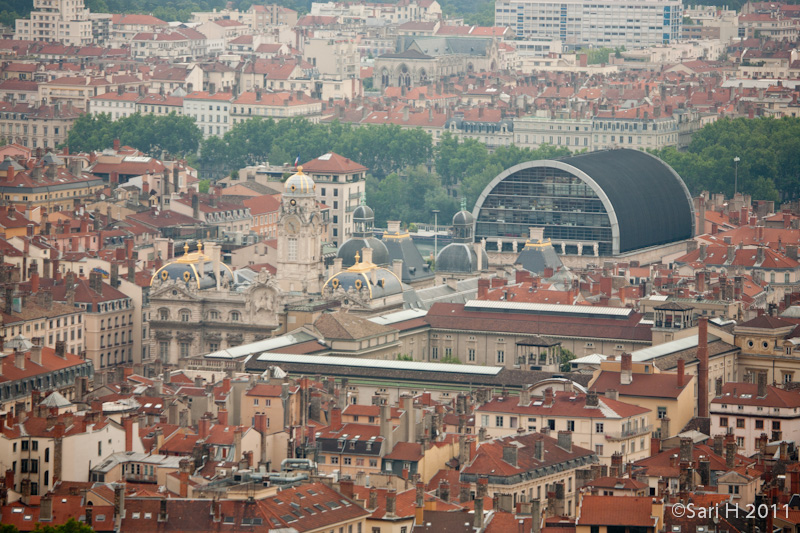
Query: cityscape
pixel 414 266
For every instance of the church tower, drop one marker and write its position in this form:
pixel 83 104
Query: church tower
pixel 299 265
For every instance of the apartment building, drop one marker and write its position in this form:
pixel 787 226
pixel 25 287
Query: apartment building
pixel 530 467
pixel 610 23
pixel 339 185
pixel 108 318
pixel 748 410
pixel 601 424
pixel 211 111
pixel 64 21
pixel 277 106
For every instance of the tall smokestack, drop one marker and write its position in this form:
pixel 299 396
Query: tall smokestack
pixel 702 368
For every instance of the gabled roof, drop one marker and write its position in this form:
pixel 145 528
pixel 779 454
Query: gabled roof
pixel 332 163
pixel 340 325
pixel 565 403
pixel 645 385
pixel 489 456
pixel 747 394
pixel 631 511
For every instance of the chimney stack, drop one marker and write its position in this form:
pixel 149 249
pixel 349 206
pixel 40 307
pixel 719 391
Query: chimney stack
pixel 510 454
pixel 762 384
pixel 681 373
pixel 626 369
pixel 702 368
pixel 565 440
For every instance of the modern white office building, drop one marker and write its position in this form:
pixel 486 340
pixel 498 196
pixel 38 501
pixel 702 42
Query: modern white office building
pixel 597 23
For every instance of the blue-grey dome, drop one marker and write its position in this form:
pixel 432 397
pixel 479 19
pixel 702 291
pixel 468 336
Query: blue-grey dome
pixel 459 257
pixel 352 246
pixel 386 283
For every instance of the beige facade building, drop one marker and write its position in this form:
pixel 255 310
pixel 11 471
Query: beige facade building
pixel 764 350
pixel 107 320
pixel 40 317
pixel 195 307
pixel 601 424
pixel 274 105
pixel 37 126
pixel 336 57
pixel 339 185
pixel 66 21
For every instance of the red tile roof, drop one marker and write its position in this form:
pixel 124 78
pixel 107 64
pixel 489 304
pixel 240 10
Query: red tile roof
pixel 489 460
pixel 50 363
pixel 630 511
pixel 265 390
pixel 406 451
pixel 646 385
pixel 332 163
pixel 565 403
pixel 747 394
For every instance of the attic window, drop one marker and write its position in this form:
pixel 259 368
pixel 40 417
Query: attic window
pixel 230 520
pixel 136 516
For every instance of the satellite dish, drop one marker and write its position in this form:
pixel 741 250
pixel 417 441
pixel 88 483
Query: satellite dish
pixel 102 196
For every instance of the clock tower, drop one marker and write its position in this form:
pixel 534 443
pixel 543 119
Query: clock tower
pixel 299 265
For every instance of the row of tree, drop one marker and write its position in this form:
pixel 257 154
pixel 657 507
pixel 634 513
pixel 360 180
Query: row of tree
pixel 152 134
pixel 768 152
pixel 409 176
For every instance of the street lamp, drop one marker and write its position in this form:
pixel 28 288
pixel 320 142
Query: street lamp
pixel 435 234
pixel 736 175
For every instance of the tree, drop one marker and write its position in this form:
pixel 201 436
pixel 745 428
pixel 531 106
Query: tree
pixel 768 152
pixel 565 356
pixel 204 186
pixel 71 526
pixel 177 135
pixel 400 357
pixel 451 360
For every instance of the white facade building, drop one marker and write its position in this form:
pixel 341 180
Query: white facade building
pixel 610 23
pixel 211 112
pixel 57 20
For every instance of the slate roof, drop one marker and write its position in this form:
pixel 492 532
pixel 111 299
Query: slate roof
pixel 456 317
pixel 651 201
pixel 340 325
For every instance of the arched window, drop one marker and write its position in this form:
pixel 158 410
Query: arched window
pixel 186 315
pixel 235 316
pixel 163 314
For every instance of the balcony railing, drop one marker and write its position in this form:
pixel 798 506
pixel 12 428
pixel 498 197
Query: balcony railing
pixel 628 433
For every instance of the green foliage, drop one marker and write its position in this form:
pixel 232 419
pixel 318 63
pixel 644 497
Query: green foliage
pixel 234 175
pixel 8 528
pixel 451 360
pixel 769 153
pixel 504 157
pixel 203 186
pixel 71 526
pixel 596 56
pixel 404 357
pixel 178 135
pixel 565 356
pixel 411 197
pixel 382 149
pixel 480 12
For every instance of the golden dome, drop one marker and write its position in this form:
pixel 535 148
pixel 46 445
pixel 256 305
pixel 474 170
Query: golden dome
pixel 299 184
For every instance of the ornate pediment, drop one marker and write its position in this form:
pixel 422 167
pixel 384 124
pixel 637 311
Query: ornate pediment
pixel 162 335
pixel 212 336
